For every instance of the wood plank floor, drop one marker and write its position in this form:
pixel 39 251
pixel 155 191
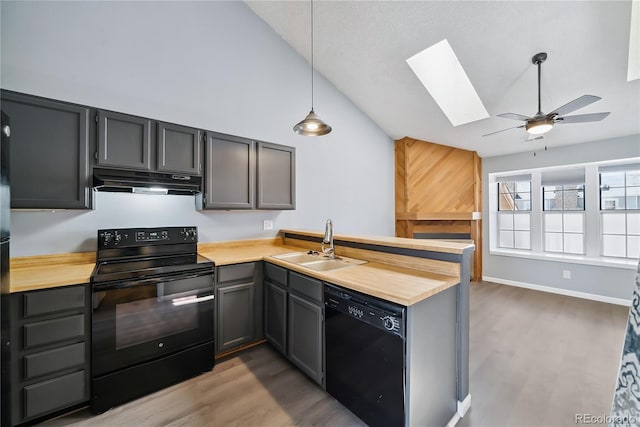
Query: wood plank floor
pixel 536 359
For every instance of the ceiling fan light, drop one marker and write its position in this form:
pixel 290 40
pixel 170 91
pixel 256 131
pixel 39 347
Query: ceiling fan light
pixel 312 126
pixel 539 127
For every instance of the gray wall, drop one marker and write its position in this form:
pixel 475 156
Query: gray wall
pixel 591 279
pixel 212 65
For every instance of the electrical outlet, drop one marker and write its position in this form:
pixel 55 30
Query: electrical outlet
pixel 566 274
pixel 267 224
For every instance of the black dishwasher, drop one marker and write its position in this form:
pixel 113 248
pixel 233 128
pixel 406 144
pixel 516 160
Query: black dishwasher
pixel 365 353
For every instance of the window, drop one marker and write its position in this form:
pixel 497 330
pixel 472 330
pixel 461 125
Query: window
pixel 514 196
pixel 564 232
pixel 619 189
pixel 563 198
pixel 621 234
pixel 619 206
pixel 514 219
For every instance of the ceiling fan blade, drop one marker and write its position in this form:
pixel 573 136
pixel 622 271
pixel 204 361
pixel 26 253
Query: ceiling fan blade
pixel 576 104
pixel 582 118
pixel 514 116
pixel 502 130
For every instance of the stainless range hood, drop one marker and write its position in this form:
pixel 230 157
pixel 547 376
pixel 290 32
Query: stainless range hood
pixel 115 180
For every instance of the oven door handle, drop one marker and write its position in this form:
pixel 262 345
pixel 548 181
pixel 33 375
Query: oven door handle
pixel 146 282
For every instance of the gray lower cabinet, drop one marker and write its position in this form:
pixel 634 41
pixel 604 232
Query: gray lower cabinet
pixel 306 336
pixel 179 149
pixel 230 172
pixel 276 172
pixel 46 362
pixel 275 315
pixel 238 305
pixel 124 141
pixel 51 144
pixel 294 318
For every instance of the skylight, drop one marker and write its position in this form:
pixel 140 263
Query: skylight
pixel 439 70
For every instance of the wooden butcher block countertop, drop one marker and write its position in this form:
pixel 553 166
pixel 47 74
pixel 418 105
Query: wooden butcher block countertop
pixel 397 284
pixel 50 271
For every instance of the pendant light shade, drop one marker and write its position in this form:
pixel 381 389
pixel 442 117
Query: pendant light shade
pixel 312 125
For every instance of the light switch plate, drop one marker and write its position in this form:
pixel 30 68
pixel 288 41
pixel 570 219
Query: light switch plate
pixel 267 224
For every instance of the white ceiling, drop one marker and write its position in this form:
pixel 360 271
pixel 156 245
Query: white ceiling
pixel 362 47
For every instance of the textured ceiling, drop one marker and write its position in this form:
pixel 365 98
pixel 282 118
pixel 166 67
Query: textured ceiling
pixel 362 47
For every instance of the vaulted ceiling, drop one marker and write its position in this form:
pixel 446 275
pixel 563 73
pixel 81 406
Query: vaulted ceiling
pixel 362 47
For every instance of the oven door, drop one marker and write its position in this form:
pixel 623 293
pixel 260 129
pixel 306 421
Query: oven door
pixel 138 321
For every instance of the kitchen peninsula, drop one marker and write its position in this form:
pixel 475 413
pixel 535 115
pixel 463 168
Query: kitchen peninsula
pixel 427 278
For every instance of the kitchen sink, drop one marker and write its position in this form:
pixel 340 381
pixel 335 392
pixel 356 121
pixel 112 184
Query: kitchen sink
pixel 299 257
pixel 318 262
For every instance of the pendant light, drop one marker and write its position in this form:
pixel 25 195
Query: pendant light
pixel 312 125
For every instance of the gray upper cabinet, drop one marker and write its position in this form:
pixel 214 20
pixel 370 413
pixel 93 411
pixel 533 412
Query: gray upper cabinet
pixel 230 172
pixel 276 176
pixel 178 149
pixel 124 141
pixel 50 153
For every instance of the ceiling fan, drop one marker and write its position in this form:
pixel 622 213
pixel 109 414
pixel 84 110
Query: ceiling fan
pixel 542 123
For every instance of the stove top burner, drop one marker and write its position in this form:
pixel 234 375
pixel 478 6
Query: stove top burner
pixel 152 267
pixel 136 253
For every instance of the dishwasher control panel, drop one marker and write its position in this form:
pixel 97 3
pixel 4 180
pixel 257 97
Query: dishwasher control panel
pixel 383 315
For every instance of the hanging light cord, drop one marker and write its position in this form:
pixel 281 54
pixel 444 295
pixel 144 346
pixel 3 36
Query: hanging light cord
pixel 311 55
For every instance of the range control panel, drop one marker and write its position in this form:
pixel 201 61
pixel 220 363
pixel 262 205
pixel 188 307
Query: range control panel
pixel 130 237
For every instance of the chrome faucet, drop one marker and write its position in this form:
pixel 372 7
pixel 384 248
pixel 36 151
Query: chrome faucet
pixel 328 240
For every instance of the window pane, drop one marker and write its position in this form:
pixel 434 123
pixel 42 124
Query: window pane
pixel 523 196
pixel 612 179
pixel 633 223
pixel 573 200
pixel 612 198
pixel 506 187
pixel 573 223
pixel 505 202
pixel 553 242
pixel 613 245
pixel 553 204
pixel 633 197
pixel 506 239
pixel 633 247
pixel 573 244
pixel 613 223
pixel 553 223
pixel 523 205
pixel 521 222
pixel 633 177
pixel 522 240
pixel 525 186
pixel 505 222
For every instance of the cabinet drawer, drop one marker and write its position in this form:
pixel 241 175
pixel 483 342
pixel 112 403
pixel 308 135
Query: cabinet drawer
pixel 230 273
pixel 54 330
pixel 50 301
pixel 54 394
pixel 306 286
pixel 275 273
pixel 50 361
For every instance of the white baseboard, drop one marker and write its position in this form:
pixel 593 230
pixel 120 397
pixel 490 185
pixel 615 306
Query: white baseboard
pixel 464 406
pixel 454 420
pixel 550 289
